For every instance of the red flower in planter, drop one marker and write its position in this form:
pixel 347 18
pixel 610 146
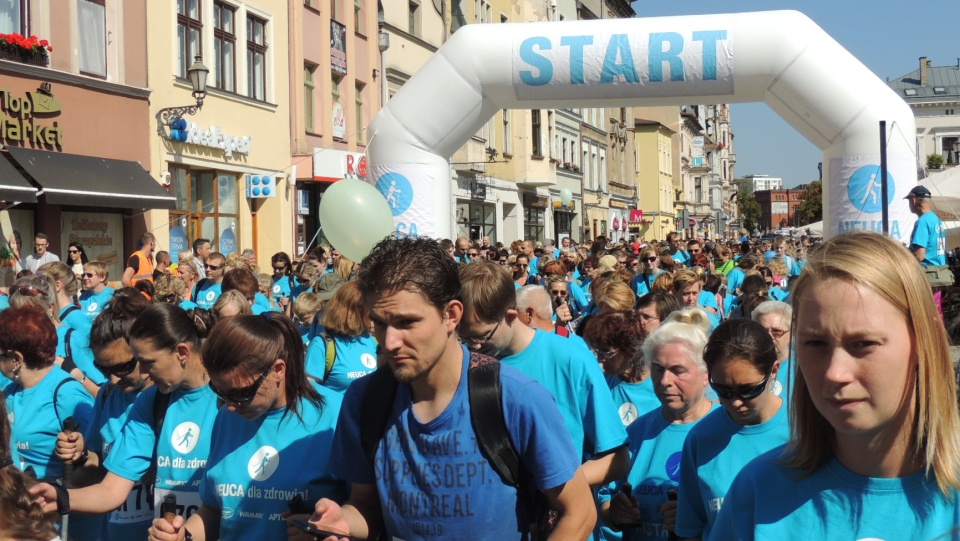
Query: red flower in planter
pixel 30 44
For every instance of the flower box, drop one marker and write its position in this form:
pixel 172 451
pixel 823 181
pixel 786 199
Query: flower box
pixel 25 50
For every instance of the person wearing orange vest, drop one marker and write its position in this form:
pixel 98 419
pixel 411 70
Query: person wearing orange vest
pixel 140 264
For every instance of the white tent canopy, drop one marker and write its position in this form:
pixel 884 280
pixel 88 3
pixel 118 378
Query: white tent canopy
pixel 945 188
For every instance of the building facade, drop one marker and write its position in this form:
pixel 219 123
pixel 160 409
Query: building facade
pixel 778 208
pixel 933 93
pixel 654 165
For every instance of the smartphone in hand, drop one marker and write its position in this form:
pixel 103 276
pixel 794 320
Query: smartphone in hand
pixel 320 534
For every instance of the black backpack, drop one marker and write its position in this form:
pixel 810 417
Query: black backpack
pixel 489 426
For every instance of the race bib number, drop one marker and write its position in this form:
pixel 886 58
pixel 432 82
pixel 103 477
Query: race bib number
pixel 139 506
pixel 188 503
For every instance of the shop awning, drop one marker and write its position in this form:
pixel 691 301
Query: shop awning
pixel 71 179
pixel 13 187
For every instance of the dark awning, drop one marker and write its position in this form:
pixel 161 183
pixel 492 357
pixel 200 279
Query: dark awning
pixel 13 187
pixel 71 179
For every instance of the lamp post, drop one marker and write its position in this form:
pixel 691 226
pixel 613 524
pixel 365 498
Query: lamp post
pixel 383 43
pixel 168 116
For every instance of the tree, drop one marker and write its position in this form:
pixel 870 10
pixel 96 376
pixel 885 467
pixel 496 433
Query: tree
pixel 810 208
pixel 747 204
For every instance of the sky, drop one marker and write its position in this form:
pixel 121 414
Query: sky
pixel 888 36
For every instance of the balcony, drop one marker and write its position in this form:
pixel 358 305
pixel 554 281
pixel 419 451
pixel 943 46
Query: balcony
pixel 621 190
pixel 731 158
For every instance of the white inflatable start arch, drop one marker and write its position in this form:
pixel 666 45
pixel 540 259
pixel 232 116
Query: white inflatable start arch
pixel 781 58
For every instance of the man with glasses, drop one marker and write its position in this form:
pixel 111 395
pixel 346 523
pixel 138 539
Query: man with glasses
pixel 412 292
pixel 96 294
pixel 775 317
pixel 491 325
pixel 140 265
pixel 208 290
pixel 40 255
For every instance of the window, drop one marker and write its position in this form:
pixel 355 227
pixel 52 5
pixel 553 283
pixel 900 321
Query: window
pixel 413 22
pixel 224 47
pixel 256 58
pixel 335 10
pixel 13 17
pixel 309 97
pixel 477 220
pixel 358 16
pixel 507 132
pixel 536 135
pixel 358 100
pixel 483 11
pixel 92 23
pixel 335 87
pixel 533 224
pixel 189 28
pixel 208 200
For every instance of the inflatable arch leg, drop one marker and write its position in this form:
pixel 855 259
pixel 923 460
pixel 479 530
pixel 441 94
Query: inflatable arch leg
pixel 780 57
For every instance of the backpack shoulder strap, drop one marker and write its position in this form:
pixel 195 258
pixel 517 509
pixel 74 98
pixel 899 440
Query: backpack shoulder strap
pixel 331 354
pixel 486 414
pixel 161 402
pixel 375 410
pixel 56 394
pixel 70 309
pixel 68 363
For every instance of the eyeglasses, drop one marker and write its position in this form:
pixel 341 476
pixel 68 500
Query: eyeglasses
pixel 694 251
pixel 72 251
pixel 213 267
pixel 90 275
pixel 520 265
pixel 743 393
pixel 604 355
pixel 118 370
pixel 559 293
pixel 635 265
pixel 301 280
pixel 502 261
pixel 777 333
pixel 279 269
pixel 650 259
pixel 473 254
pixel 483 338
pixel 647 318
pixel 27 291
pixel 39 244
pixel 244 394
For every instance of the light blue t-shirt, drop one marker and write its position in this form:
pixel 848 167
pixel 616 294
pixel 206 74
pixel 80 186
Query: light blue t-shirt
pixel 713 453
pixel 356 357
pixel 208 295
pixel 571 373
pixel 642 283
pixel 682 257
pixel 4 301
pixel 282 287
pixel 110 412
pixel 928 233
pixel 256 466
pixel 655 445
pixel 261 300
pixel 433 482
pixel 80 352
pixel 91 304
pixel 182 450
pixel 34 426
pixel 75 318
pixel 770 501
pixel 632 399
pixel 188 305
pixel 734 281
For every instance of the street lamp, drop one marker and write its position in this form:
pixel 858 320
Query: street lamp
pixel 383 43
pixel 172 117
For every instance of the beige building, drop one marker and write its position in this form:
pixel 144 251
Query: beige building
pixel 228 163
pixel 654 165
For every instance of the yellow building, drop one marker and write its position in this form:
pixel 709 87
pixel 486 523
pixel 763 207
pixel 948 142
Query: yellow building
pixel 239 139
pixel 654 154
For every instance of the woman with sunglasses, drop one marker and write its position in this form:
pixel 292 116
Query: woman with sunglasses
pixel 274 435
pixel 115 359
pixel 875 451
pixel 167 434
pixel 187 271
pixel 674 355
pixel 305 276
pixel 742 362
pixel 283 280
pixel 76 259
pixel 642 283
pixel 41 399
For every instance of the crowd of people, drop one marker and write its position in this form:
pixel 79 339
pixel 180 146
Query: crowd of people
pixel 458 389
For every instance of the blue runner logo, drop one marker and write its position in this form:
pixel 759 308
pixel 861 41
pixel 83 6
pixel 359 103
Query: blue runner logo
pixel 398 191
pixel 864 188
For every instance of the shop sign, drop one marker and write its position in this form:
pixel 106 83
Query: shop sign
pixel 178 243
pixel 18 116
pixel 339 121
pixel 101 235
pixel 214 138
pixel 534 201
pixel 228 241
pixel 338 47
pixel 636 215
pixel 614 204
pixel 332 165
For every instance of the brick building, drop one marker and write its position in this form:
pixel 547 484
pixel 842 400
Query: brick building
pixel 777 208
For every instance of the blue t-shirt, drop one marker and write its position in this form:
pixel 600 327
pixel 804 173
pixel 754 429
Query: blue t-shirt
pixel 110 412
pixel 80 352
pixel 643 282
pixel 777 294
pixel 632 399
pixel 75 318
pixel 182 449
pixel 256 466
pixel 356 357
pixel 260 300
pixel 282 286
pixel 770 501
pixel 713 453
pixel 188 305
pixel 91 304
pixel 34 427
pixel 4 301
pixel 655 445
pixel 682 257
pixel 576 294
pixel 432 479
pixel 207 296
pixel 571 373
pixel 928 233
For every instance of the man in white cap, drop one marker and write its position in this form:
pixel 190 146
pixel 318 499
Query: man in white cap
pixel 928 242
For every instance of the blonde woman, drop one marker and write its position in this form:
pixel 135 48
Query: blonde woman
pixel 875 447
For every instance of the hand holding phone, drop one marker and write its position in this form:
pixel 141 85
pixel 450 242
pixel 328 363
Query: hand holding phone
pixel 319 533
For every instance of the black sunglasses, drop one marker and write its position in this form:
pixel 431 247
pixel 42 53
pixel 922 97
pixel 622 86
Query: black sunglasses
pixel 650 259
pixel 244 394
pixel 27 291
pixel 118 370
pixel 213 267
pixel 473 254
pixel 744 393
pixel 302 281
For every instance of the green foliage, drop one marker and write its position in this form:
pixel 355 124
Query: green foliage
pixel 747 204
pixel 810 209
pixel 934 161
pixel 5 253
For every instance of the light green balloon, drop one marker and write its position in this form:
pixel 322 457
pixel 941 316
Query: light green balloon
pixel 354 216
